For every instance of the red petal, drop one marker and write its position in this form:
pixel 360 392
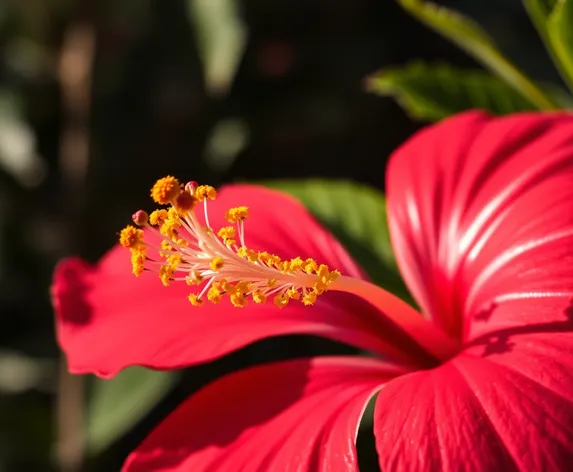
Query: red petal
pixel 108 319
pixel 297 415
pixel 480 216
pixel 484 233
pixel 475 415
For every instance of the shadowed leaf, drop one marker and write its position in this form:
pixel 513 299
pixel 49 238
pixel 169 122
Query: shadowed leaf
pixel 118 404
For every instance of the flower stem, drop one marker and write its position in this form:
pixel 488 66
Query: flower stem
pixel 426 333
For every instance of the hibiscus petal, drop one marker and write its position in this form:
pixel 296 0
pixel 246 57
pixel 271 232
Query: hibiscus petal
pixel 108 319
pixel 487 221
pixel 473 415
pixel 298 415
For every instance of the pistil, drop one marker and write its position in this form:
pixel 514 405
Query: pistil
pixel 426 333
pixel 219 260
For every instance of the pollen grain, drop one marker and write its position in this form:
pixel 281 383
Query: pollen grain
pixel 165 190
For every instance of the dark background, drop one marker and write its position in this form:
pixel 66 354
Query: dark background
pixel 99 98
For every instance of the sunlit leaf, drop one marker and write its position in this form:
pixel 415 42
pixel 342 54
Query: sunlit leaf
pixel 543 14
pixel 539 11
pixel 471 37
pixel 432 92
pixel 118 404
pixel 356 215
pixel 560 34
pixel 221 39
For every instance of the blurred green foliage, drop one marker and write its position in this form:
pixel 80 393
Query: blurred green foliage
pixel 116 405
pixel 221 40
pixel 99 98
pixel 434 92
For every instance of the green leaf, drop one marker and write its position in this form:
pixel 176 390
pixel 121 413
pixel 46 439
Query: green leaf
pixel 560 35
pixel 118 404
pixel 539 11
pixel 560 95
pixel 543 14
pixel 470 37
pixel 356 215
pixel 432 92
pixel 221 40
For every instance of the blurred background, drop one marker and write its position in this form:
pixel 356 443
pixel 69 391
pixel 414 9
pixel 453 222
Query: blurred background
pixel 99 98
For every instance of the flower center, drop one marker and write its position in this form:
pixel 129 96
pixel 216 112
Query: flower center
pixel 217 260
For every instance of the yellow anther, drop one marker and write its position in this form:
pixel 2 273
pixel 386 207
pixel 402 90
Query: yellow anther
pixel 173 214
pixel 252 256
pixel 205 191
pixel 259 297
pixel 325 278
pixel 137 260
pixel 249 254
pixel 238 300
pixel 157 217
pixel 243 286
pixel 227 287
pixel 322 271
pixel 331 277
pixel 310 266
pixel 264 257
pixel 296 264
pixel 171 224
pixel 195 278
pixel 309 298
pixel 169 268
pixel 165 190
pixel 166 246
pixel 283 266
pixel 166 275
pixel 214 294
pixel 281 301
pixel 271 283
pixel 269 259
pixel 227 233
pixel 195 300
pixel 217 263
pixel 131 237
pixel 293 294
pixel 174 261
pixel 237 214
pixel 319 288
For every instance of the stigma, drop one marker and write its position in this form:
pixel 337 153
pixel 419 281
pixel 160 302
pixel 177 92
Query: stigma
pixel 215 259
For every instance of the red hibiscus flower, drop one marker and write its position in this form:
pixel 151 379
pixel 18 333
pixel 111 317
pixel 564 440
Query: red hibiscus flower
pixel 481 218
